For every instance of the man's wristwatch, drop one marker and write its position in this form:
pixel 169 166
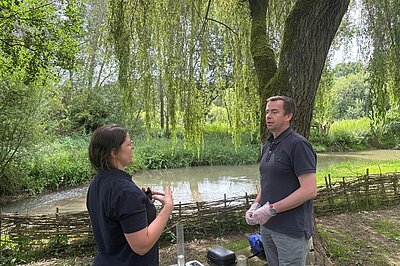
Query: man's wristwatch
pixel 272 209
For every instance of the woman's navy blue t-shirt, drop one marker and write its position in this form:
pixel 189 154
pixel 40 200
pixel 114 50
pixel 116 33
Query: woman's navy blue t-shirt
pixel 116 206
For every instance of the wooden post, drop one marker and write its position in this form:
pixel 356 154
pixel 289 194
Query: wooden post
pixel 1 235
pixel 395 180
pixel 198 208
pixel 367 187
pixel 345 193
pixel 225 200
pixel 331 201
pixel 180 210
pixel 57 229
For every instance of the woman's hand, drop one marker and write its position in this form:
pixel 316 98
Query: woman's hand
pixel 165 198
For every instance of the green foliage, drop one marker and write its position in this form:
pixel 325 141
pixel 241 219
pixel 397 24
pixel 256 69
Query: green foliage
pixel 351 97
pixel 340 247
pixel 344 135
pixel 52 165
pixel 15 252
pixel 18 122
pixel 36 36
pixel 39 34
pixel 350 68
pixel 391 131
pixel 58 240
pixel 216 150
pixel 324 100
pixel 381 22
pixel 387 228
pixel 237 245
pixel 85 109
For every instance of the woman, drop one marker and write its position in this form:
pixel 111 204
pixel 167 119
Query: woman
pixel 124 221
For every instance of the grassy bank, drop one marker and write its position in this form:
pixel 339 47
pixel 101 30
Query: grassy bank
pixel 356 168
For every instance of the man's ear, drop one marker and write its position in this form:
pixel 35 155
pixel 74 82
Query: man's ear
pixel 289 116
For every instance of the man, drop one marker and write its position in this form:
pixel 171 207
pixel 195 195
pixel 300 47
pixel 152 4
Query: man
pixel 283 206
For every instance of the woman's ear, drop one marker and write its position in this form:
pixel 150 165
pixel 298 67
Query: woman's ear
pixel 114 153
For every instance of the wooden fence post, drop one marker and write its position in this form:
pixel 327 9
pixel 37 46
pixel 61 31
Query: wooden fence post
pixel 367 187
pixel 395 180
pixel 198 208
pixel 1 235
pixel 225 200
pixel 57 228
pixel 345 193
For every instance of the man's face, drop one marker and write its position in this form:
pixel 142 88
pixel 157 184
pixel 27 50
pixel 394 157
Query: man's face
pixel 276 119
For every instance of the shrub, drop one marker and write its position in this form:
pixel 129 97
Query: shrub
pixel 354 134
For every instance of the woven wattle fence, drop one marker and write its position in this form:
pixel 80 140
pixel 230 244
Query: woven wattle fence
pixel 202 218
pixel 361 193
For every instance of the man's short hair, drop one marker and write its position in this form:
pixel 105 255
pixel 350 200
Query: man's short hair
pixel 289 106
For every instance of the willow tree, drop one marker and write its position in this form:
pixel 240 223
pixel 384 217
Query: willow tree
pixel 177 55
pixel 181 55
pixel 379 39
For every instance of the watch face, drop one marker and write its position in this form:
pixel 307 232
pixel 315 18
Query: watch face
pixel 273 211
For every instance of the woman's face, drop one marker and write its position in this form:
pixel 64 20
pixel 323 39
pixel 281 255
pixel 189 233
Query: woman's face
pixel 124 154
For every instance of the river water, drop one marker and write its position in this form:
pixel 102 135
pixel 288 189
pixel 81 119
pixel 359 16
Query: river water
pixel 204 183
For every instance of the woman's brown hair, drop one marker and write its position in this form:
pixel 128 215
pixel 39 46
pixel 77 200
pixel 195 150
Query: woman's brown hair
pixel 103 141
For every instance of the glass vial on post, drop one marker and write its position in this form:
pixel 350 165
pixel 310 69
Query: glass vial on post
pixel 180 247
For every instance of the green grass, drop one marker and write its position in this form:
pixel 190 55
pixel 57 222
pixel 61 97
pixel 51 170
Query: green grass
pixel 347 244
pixel 388 228
pixel 340 247
pixel 345 248
pixel 356 168
pixel 237 245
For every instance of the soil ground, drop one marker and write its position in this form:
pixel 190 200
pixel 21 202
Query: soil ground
pixel 364 238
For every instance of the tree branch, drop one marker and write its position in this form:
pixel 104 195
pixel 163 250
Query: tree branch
pixel 223 25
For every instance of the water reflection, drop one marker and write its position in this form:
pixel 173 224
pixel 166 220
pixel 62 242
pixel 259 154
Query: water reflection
pixel 188 184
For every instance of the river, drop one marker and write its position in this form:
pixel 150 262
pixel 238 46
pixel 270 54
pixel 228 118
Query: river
pixel 204 183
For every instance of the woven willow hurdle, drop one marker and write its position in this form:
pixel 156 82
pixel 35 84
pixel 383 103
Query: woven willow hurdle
pixel 202 218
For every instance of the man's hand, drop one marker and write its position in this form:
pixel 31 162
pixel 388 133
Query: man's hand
pixel 249 213
pixel 262 214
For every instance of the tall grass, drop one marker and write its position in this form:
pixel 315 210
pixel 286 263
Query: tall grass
pixel 344 135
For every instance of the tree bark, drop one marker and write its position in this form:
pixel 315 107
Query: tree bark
pixel 263 55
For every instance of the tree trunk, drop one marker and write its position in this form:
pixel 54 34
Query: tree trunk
pixel 263 55
pixel 309 31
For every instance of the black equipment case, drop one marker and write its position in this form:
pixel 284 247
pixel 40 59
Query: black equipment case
pixel 221 256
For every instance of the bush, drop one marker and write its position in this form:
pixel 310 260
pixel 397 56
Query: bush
pixel 352 134
pixel 62 163
pixel 172 153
